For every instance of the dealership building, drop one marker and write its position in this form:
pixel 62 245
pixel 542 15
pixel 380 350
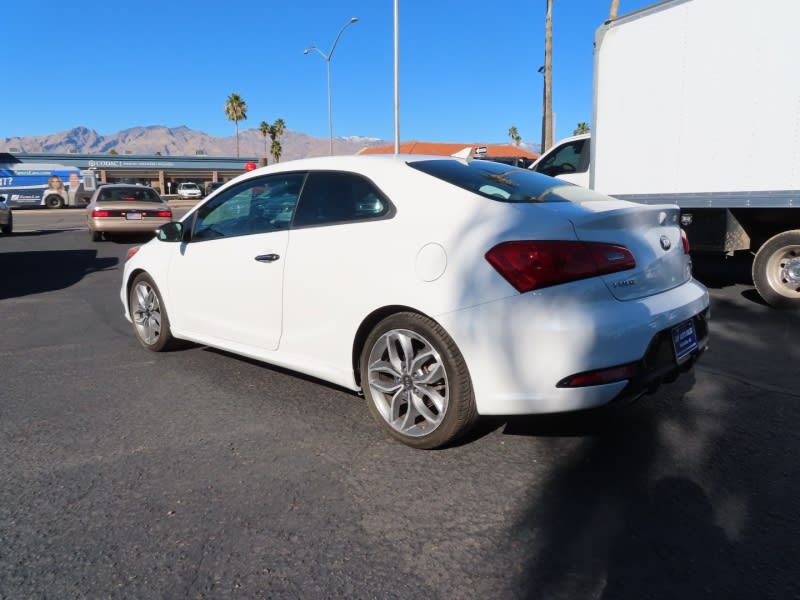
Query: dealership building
pixel 161 172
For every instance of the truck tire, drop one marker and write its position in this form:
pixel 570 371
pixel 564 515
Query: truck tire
pixel 54 201
pixel 776 270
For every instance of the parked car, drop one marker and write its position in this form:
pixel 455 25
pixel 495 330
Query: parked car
pixel 125 208
pixel 212 186
pixel 6 216
pixel 189 190
pixel 442 289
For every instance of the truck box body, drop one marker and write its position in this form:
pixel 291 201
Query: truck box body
pixel 715 83
pixel 697 103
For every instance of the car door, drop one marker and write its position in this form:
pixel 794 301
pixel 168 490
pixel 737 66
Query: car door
pixel 227 281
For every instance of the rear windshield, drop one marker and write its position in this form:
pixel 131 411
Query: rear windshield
pixel 493 180
pixel 128 195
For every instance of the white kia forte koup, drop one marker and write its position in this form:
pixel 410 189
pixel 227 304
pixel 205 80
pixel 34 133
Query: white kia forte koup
pixel 441 288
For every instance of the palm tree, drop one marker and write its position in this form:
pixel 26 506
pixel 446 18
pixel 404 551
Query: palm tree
pixel 582 127
pixel 612 14
pixel 547 117
pixel 277 149
pixel 275 132
pixel 264 129
pixel 514 135
pixel 236 110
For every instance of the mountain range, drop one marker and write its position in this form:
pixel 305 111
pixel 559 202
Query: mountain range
pixel 182 141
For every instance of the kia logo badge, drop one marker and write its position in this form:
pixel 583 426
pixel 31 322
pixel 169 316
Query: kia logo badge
pixel 665 243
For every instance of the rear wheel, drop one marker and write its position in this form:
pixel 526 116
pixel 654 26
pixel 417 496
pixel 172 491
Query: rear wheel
pixel 96 235
pixel 54 201
pixel 150 320
pixel 416 382
pixel 8 227
pixel 776 270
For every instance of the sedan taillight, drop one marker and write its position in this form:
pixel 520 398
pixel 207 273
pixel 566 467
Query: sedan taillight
pixel 165 213
pixel 100 213
pixel 535 264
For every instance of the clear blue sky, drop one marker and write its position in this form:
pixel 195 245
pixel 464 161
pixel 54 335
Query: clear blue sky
pixel 468 68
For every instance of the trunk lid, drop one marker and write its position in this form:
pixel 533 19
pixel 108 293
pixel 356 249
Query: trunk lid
pixel 651 232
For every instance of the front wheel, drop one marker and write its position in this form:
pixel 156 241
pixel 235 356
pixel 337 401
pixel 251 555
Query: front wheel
pixel 776 270
pixel 54 201
pixel 416 382
pixel 150 320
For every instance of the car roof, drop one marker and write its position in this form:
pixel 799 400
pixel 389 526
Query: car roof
pixel 137 186
pixel 354 162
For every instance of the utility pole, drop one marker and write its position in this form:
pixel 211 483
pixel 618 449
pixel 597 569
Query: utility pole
pixel 547 116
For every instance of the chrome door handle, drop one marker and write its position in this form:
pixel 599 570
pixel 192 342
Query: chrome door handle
pixel 267 257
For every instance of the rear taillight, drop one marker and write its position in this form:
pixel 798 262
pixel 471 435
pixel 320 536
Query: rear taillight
pixel 685 242
pixel 165 213
pixel 531 265
pixel 100 213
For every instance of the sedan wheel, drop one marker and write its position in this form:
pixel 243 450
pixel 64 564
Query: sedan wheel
pixel 416 381
pixel 150 321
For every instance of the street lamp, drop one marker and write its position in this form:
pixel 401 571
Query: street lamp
pixel 327 58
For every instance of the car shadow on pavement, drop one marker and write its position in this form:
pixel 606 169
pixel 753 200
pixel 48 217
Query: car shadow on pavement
pixel 127 239
pixel 26 273
pixel 37 233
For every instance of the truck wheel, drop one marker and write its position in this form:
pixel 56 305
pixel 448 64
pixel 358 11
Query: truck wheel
pixel 54 201
pixel 776 270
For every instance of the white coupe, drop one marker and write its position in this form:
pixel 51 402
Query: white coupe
pixel 441 288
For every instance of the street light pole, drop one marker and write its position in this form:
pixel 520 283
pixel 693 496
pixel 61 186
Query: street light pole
pixel 396 76
pixel 327 58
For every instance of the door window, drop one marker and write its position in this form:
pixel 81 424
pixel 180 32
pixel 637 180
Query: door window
pixel 570 158
pixel 257 205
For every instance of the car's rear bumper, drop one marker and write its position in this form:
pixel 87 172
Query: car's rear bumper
pixel 520 349
pixel 122 225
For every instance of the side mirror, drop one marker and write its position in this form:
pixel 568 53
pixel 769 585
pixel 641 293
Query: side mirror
pixel 170 232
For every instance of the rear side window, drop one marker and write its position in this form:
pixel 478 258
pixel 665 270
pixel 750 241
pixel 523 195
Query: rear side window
pixel 492 180
pixel 334 197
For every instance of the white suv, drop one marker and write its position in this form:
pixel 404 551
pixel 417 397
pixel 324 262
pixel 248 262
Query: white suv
pixel 189 190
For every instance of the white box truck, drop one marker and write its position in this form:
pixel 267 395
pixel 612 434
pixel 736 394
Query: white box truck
pixel 697 103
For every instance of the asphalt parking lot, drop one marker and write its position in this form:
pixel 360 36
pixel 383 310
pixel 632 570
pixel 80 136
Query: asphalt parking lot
pixel 199 474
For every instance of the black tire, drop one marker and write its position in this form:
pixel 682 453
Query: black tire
pixel 8 227
pixel 439 373
pixel 776 270
pixel 150 319
pixel 54 201
pixel 97 236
